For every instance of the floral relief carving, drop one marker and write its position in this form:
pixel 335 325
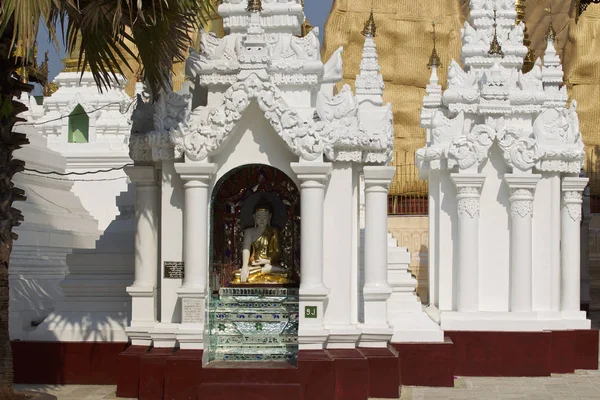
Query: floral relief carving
pixel 573 201
pixel 521 202
pixel 468 201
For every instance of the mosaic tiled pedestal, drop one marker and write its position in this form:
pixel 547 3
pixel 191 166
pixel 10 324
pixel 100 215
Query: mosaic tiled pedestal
pixel 254 324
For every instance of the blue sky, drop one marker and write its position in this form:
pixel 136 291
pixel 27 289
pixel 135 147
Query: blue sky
pixel 316 11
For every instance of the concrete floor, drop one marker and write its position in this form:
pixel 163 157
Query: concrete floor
pixel 583 385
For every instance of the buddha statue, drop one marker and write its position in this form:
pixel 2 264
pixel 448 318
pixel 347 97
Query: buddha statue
pixel 261 253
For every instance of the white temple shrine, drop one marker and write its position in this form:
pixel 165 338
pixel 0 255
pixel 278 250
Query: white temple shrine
pixel 91 129
pixel 257 260
pixel 503 158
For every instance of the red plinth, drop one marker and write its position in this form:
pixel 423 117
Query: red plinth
pixel 562 355
pixel 317 374
pixel 182 375
pixel 351 374
pixel 384 372
pixel 249 391
pixel 502 353
pixel 426 364
pixel 586 349
pixel 66 363
pixel 152 373
pixel 128 368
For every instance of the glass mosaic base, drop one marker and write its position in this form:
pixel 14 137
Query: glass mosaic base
pixel 254 324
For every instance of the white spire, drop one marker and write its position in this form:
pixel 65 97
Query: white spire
pixel 369 82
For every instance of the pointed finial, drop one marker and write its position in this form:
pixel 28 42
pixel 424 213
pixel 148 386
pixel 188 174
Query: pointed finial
pixel 434 60
pixel 520 9
pixel 254 6
pixel 551 34
pixel 495 48
pixel 370 29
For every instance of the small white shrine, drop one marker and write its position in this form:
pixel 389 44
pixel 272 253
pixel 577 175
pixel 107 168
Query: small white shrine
pixel 503 157
pixel 268 124
pixel 91 130
pixel 55 222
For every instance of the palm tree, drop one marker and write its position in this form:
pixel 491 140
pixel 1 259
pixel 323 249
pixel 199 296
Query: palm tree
pixel 105 32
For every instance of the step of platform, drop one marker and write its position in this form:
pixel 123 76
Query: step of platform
pixel 248 391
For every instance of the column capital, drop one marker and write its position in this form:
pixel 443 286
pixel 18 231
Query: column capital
pixel 378 175
pixel 574 184
pixel 572 189
pixel 468 191
pixel 196 171
pixel 314 171
pixel 522 191
pixel 142 175
pixel 468 180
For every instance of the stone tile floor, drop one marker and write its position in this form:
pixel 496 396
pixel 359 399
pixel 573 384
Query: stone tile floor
pixel 583 385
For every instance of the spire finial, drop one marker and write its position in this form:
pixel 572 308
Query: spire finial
pixel 254 6
pixel 434 60
pixel 370 29
pixel 551 35
pixel 495 48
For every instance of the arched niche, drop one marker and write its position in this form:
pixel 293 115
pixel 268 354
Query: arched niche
pixel 79 125
pixel 228 197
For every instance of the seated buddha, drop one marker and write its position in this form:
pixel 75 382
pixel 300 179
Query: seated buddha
pixel 261 253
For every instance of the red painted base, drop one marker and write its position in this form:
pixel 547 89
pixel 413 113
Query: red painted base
pixel 249 391
pixel 152 374
pixel 426 364
pixel 66 363
pixel 586 349
pixel 351 374
pixel 317 371
pixel 321 375
pixel 384 372
pixel 128 380
pixel 182 374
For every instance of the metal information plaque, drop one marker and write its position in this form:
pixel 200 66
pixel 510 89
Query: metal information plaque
pixel 174 270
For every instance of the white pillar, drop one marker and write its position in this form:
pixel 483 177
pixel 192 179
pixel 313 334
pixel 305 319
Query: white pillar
pixel 586 278
pixel 143 290
pixel 376 290
pixel 572 190
pixel 522 191
pixel 468 192
pixel 313 292
pixel 555 201
pixel 194 290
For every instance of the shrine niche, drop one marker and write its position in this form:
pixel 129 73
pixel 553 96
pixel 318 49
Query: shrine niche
pixel 235 198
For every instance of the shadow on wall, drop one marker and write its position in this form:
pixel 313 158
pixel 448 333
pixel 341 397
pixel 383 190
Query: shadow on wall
pixel 95 305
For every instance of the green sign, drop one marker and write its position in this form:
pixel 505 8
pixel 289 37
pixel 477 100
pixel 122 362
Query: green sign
pixel 310 311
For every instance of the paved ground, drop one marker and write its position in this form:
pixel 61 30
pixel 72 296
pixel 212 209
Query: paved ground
pixel 584 385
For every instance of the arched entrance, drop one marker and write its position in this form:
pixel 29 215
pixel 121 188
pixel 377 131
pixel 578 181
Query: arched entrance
pixel 229 196
pixel 252 322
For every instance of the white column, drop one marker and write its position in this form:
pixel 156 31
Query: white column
pixel 522 191
pixel 572 190
pixel 554 272
pixel 376 290
pixel 586 278
pixel 143 290
pixel 193 292
pixel 468 192
pixel 313 292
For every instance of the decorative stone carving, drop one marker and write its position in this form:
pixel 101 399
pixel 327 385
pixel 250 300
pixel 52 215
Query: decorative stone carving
pixel 521 202
pixel 468 201
pixel 572 201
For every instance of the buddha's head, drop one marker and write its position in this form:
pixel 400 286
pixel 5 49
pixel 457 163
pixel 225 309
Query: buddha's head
pixel 262 213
